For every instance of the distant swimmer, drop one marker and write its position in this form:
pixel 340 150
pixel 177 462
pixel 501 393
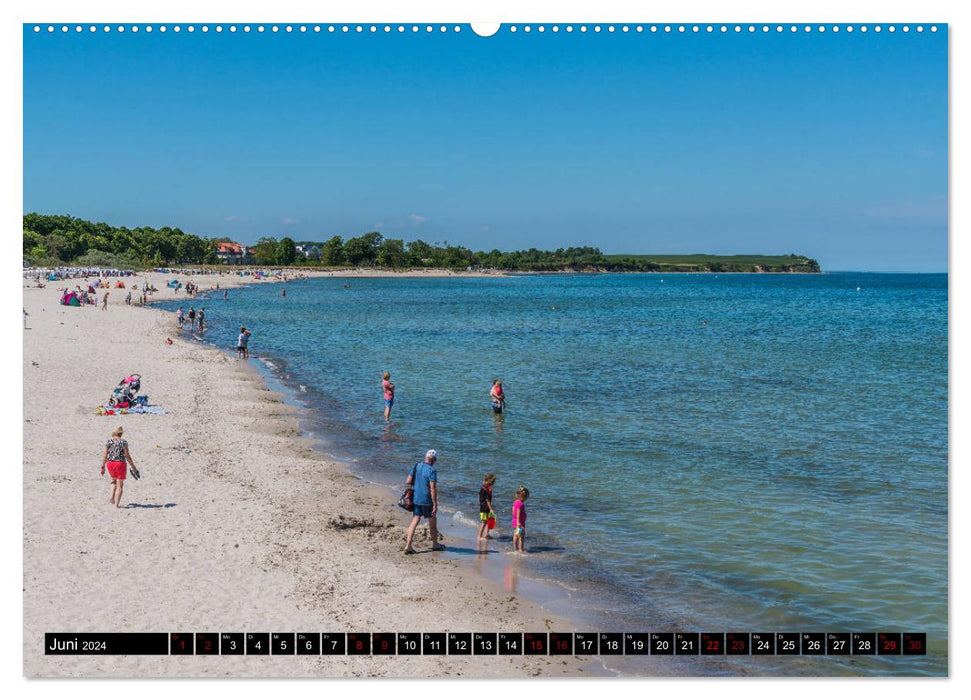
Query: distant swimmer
pixel 497 396
pixel 857 289
pixel 284 292
pixel 704 322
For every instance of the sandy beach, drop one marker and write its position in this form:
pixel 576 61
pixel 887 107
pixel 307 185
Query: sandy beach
pixel 237 524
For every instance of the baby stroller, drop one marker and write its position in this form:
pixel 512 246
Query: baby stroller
pixel 124 394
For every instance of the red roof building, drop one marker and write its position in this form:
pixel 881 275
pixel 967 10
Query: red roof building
pixel 232 253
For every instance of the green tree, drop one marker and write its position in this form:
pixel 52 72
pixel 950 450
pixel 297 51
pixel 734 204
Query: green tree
pixel 457 256
pixel 102 258
pixel 363 250
pixel 190 249
pixel 212 246
pixel 332 252
pixel 32 240
pixel 57 245
pixel 265 251
pixel 392 253
pixel 419 252
pixel 286 251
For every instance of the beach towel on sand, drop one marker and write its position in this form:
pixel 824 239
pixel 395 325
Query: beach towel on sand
pixel 112 411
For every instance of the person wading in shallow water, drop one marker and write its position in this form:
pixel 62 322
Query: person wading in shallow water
pixel 497 396
pixel 388 387
pixel 242 343
pixel 423 479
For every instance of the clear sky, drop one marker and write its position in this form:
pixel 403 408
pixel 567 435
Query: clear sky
pixel 831 145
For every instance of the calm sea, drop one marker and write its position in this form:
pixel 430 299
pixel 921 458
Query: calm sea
pixel 747 453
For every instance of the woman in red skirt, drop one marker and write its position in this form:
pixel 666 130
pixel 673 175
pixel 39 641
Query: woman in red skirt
pixel 114 457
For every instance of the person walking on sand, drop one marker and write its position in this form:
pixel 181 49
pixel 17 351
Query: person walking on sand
pixel 114 457
pixel 104 302
pixel 128 298
pixel 485 505
pixel 519 520
pixel 192 319
pixel 498 398
pixel 242 343
pixel 424 479
pixel 388 387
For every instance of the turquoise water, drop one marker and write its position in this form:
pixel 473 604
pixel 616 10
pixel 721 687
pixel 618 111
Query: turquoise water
pixel 704 452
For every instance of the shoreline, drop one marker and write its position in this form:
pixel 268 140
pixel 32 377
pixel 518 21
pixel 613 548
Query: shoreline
pixel 563 597
pixel 460 535
pixel 232 496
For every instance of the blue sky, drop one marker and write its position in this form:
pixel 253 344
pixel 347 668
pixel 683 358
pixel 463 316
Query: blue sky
pixel 829 145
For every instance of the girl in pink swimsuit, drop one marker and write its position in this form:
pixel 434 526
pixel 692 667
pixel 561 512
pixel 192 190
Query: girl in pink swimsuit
pixel 519 519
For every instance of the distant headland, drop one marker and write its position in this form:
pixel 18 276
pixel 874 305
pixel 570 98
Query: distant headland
pixel 51 240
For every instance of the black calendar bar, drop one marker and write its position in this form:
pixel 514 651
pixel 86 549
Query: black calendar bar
pixel 110 643
pixel 281 644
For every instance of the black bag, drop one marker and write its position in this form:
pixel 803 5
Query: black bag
pixel 407 500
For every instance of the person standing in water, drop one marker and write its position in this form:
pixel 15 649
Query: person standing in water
pixel 485 505
pixel 388 395
pixel 202 320
pixel 242 343
pixel 192 318
pixel 497 396
pixel 519 520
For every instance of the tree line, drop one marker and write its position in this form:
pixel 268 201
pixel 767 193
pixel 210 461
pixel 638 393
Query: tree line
pixel 51 240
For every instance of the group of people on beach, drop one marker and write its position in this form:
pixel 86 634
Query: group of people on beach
pixel 195 318
pixel 424 477
pixel 88 295
pixel 191 288
pixel 63 273
pixel 424 480
pixel 487 514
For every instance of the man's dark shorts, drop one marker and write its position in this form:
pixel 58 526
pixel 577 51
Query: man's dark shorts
pixel 423 511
